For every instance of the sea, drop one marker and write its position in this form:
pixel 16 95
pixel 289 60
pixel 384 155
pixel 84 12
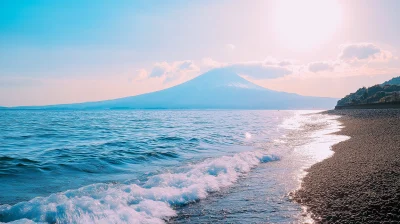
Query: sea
pixel 159 166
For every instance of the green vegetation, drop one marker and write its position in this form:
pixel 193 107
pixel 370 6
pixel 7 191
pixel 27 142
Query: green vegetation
pixel 394 81
pixel 387 92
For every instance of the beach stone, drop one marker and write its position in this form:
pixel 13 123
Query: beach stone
pixel 360 183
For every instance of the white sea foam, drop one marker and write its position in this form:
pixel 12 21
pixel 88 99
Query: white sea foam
pixel 299 120
pixel 312 142
pixel 151 202
pixel 319 129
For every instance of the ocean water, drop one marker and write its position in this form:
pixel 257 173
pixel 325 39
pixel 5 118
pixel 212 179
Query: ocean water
pixel 158 166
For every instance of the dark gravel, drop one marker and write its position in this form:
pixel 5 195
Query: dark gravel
pixel 360 183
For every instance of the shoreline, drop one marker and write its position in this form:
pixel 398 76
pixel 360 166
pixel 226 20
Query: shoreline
pixel 360 182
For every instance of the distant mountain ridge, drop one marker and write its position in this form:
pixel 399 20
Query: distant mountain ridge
pixel 216 89
pixel 393 81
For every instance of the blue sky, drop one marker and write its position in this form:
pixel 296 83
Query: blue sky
pixel 74 51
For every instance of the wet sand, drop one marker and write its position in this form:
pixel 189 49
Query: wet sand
pixel 360 183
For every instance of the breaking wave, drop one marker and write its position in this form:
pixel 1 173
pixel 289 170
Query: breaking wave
pixel 151 201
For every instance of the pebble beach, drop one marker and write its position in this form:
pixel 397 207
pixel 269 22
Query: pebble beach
pixel 360 183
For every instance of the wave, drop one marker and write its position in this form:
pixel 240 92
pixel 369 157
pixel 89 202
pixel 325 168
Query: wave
pixel 149 202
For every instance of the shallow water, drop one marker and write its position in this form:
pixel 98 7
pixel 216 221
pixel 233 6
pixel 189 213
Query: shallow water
pixel 155 166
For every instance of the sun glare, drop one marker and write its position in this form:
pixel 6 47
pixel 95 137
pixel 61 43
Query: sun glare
pixel 303 25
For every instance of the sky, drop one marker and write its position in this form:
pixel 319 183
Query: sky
pixel 68 51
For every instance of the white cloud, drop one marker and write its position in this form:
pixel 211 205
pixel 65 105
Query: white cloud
pixel 274 61
pixel 259 70
pixel 268 69
pixel 230 47
pixel 320 66
pixel 285 63
pixel 172 71
pixel 160 69
pixel 209 63
pixel 363 51
pixel 141 74
pixel 187 65
pixel 353 57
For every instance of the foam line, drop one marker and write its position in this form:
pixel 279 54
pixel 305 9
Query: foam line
pixel 151 202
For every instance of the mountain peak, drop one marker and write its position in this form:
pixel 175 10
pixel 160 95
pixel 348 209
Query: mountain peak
pixel 221 77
